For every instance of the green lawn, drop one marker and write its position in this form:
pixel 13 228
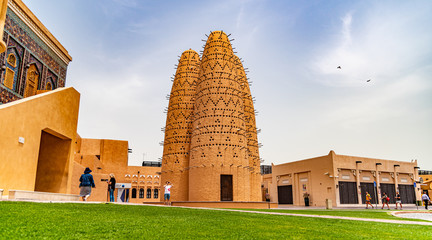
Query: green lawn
pixel 22 220
pixel 361 213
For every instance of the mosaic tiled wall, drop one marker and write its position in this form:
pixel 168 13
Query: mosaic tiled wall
pixel 30 49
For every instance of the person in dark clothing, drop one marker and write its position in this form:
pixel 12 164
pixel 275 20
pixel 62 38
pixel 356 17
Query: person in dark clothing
pixel 426 200
pixel 398 200
pixel 86 183
pixel 111 187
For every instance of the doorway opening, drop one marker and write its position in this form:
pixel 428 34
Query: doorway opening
pixel 52 167
pixel 226 188
pixel 285 194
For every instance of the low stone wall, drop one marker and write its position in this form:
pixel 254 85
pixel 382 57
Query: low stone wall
pixel 45 196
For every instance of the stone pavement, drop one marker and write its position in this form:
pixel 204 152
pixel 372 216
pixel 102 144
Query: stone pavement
pixel 318 216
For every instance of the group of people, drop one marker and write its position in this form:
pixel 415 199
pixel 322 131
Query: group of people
pixel 87 183
pixel 386 199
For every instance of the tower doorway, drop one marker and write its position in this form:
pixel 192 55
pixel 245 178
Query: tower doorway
pixel 226 188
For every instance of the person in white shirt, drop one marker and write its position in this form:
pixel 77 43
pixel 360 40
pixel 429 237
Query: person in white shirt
pixel 426 200
pixel 167 195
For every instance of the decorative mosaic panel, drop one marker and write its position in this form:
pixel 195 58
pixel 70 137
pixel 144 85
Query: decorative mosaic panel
pixel 53 78
pixel 7 96
pixel 13 69
pixel 30 49
pixel 19 48
pixel 23 34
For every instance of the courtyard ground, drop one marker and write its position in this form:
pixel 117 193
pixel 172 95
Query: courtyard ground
pixel 115 221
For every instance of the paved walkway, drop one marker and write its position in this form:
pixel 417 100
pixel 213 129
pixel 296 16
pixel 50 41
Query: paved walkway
pixel 317 216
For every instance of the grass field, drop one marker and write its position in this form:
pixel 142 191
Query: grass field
pixel 24 220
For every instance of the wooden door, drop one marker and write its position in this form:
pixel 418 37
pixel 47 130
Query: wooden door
pixel 348 193
pixel 390 190
pixel 285 194
pixel 368 187
pixel 407 193
pixel 226 188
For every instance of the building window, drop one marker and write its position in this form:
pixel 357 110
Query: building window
pixel 134 193
pixel 11 60
pixel 141 193
pixel 156 193
pixel 49 86
pixel 9 78
pixel 32 81
pixel 148 192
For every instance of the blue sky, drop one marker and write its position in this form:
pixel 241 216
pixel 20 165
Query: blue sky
pixel 124 52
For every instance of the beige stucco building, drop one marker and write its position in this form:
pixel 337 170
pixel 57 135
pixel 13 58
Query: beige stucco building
pixel 341 179
pixel 36 143
pixel 137 184
pixel 426 181
pixel 40 151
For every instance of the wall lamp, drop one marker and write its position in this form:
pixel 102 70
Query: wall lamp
pixel 378 163
pixel 396 165
pixel 358 162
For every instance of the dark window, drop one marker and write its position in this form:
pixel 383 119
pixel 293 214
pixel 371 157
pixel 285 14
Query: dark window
pixel 134 193
pixel 148 193
pixel 141 193
pixel 156 193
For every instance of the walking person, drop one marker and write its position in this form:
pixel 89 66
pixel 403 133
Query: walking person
pixel 398 200
pixel 426 200
pixel 167 195
pixel 111 187
pixel 368 200
pixel 385 200
pixel 86 184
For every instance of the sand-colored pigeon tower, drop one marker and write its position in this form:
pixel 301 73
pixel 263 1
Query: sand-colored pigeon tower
pixel 210 147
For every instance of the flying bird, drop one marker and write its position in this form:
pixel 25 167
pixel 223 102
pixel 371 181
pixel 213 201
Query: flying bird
pixel 368 80
pixel 339 67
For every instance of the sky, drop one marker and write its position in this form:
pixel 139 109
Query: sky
pixel 124 52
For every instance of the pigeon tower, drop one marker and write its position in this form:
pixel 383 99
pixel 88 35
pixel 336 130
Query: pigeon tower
pixel 210 147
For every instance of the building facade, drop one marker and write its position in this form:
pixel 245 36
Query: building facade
pixel 426 181
pixel 34 61
pixel 210 146
pixel 342 179
pixel 36 143
pixel 135 184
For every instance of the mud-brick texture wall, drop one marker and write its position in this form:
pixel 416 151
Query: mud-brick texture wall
pixel 210 129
